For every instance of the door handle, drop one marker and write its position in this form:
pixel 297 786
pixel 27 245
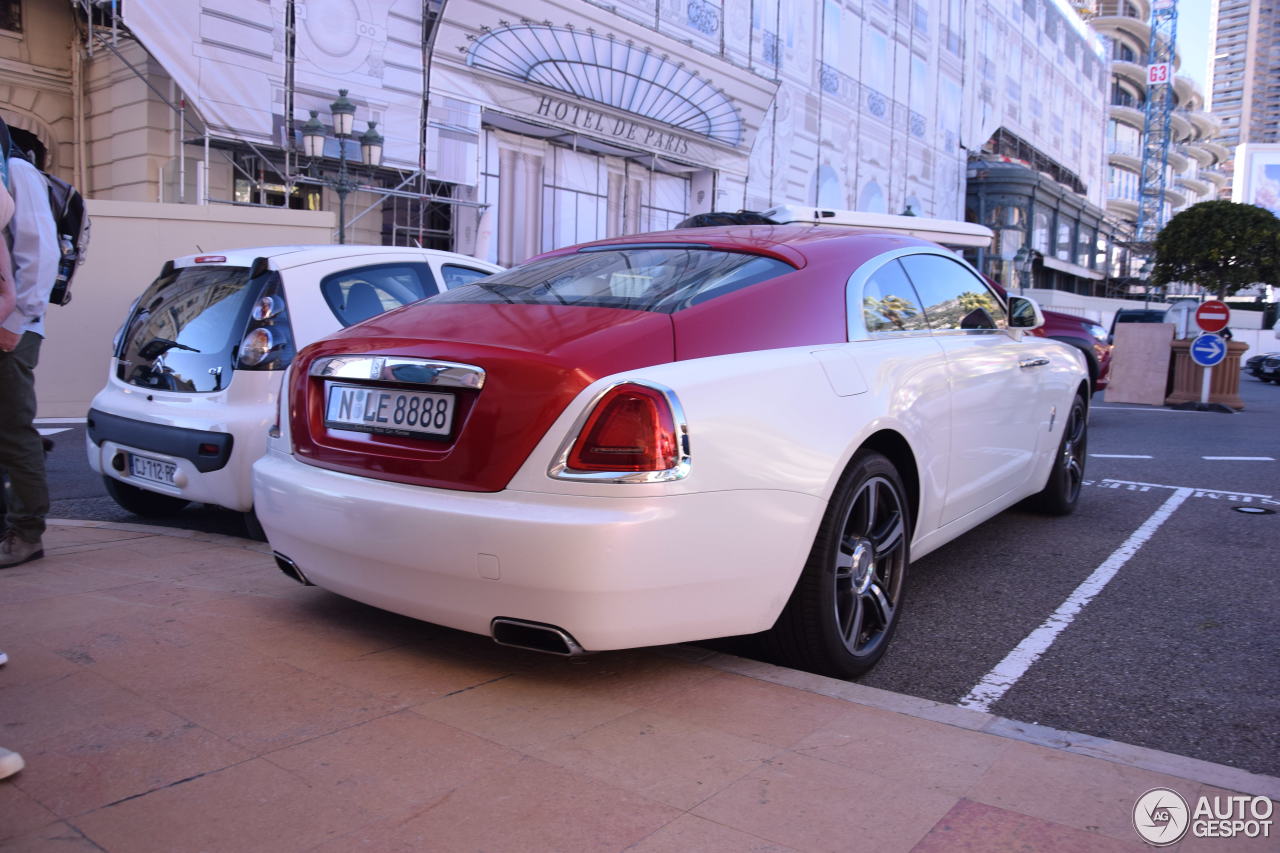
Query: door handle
pixel 1033 362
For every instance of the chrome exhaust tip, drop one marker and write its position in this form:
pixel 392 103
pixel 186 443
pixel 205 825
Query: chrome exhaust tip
pixel 534 636
pixel 290 568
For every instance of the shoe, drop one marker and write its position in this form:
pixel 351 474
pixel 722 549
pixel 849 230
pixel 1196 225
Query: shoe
pixel 15 550
pixel 4 659
pixel 10 762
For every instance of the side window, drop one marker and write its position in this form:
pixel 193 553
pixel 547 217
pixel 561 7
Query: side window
pixel 953 297
pixel 456 276
pixel 890 303
pixel 363 292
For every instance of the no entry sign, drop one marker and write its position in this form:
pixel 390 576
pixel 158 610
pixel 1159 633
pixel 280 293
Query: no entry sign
pixel 1212 316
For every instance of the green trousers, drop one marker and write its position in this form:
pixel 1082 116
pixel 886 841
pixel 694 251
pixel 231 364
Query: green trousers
pixel 21 452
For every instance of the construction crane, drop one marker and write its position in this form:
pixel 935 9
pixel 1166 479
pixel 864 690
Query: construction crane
pixel 1157 119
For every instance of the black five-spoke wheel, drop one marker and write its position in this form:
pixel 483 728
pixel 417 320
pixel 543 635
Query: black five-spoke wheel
pixel 1062 490
pixel 845 606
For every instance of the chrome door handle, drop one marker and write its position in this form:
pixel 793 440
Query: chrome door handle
pixel 1033 362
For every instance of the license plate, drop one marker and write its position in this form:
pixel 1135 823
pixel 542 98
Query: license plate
pixel 155 470
pixel 390 411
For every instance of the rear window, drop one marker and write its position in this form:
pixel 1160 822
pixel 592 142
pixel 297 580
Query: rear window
pixel 357 294
pixel 663 280
pixel 183 334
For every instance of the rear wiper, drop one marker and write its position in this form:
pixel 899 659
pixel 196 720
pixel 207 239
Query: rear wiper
pixel 160 346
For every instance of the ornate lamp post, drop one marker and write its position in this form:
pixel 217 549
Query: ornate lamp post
pixel 1023 262
pixel 313 142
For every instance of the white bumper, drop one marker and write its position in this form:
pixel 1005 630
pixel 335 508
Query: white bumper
pixel 244 411
pixel 612 572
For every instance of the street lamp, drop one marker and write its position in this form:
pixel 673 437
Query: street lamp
pixel 1023 262
pixel 313 142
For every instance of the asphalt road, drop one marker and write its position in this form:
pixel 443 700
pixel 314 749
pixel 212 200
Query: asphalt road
pixel 1178 651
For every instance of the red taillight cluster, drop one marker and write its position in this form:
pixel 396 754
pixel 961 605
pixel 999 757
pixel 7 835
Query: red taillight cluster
pixel 631 428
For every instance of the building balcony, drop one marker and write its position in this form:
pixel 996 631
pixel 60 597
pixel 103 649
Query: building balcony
pixel 1178 161
pixel 1123 208
pixel 1218 150
pixel 1175 196
pixel 1131 71
pixel 1179 126
pixel 1117 8
pixel 1129 115
pixel 1195 184
pixel 1218 179
pixel 1131 162
pixel 1196 151
pixel 1139 29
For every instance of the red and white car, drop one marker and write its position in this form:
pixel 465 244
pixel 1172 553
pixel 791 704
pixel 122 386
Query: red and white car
pixel 671 437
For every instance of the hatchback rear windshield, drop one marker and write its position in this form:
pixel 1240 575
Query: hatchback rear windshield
pixel 664 280
pixel 183 333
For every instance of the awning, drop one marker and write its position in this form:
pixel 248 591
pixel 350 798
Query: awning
pixel 1071 269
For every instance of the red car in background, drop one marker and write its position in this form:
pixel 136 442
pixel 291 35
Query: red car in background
pixel 1080 332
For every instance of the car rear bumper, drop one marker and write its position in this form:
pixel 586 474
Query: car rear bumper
pixel 612 572
pixel 171 428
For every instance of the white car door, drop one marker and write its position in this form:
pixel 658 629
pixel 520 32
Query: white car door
pixel 995 391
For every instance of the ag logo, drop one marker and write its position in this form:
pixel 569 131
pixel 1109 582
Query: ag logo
pixel 1160 816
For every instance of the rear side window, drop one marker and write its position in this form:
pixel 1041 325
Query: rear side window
pixel 953 297
pixel 456 276
pixel 357 294
pixel 890 303
pixel 662 279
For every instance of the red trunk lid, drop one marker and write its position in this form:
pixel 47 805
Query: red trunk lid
pixel 536 359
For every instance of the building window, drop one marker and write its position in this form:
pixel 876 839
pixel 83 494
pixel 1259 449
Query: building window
pixel 11 15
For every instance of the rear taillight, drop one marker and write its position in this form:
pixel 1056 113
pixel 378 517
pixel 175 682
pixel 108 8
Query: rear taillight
pixel 268 339
pixel 634 433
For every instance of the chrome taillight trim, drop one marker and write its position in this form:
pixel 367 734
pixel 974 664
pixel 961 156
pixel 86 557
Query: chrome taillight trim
pixel 411 371
pixel 560 469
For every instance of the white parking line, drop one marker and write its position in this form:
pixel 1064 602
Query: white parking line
pixel 1119 456
pixel 61 420
pixel 1240 458
pixel 52 431
pixel 1015 664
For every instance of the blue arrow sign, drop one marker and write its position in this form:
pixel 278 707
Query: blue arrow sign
pixel 1207 350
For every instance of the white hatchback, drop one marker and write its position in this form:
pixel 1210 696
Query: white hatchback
pixel 196 369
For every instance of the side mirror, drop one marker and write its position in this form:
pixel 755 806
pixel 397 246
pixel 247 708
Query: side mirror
pixel 1024 313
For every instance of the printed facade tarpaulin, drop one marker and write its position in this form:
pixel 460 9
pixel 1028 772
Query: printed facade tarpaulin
pixel 593 72
pixel 229 58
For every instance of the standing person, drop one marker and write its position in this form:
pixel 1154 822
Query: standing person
pixel 10 761
pixel 33 243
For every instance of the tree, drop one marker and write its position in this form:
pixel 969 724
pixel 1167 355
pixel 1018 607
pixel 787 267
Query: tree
pixel 1221 246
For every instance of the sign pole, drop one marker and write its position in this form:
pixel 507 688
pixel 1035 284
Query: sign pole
pixel 1204 386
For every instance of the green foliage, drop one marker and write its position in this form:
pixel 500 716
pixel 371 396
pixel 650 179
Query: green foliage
pixel 1221 246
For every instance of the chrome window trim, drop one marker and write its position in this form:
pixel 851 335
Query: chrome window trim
pixel 856 323
pixel 385 368
pixel 560 469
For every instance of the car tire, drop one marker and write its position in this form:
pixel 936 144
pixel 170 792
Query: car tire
pixel 142 502
pixel 1062 491
pixel 844 608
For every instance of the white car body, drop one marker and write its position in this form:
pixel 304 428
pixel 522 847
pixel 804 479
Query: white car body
pixel 616 563
pixel 245 409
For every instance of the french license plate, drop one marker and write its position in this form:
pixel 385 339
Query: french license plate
pixel 155 470
pixel 391 411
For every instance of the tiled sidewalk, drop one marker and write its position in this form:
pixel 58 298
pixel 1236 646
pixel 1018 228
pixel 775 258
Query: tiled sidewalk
pixel 174 692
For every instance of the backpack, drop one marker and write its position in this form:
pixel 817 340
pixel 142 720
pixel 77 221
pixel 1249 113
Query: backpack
pixel 72 224
pixel 70 220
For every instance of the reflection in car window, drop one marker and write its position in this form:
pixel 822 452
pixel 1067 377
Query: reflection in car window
pixel 358 294
pixel 663 279
pixel 953 297
pixel 456 276
pixel 183 333
pixel 890 303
